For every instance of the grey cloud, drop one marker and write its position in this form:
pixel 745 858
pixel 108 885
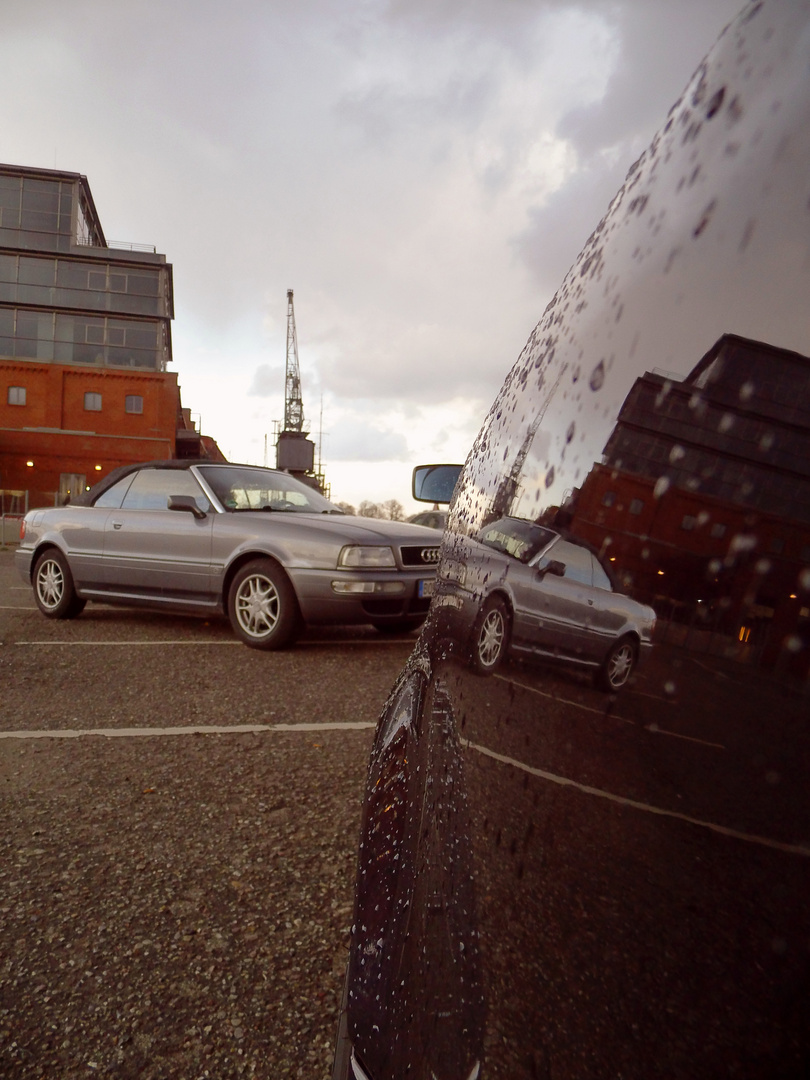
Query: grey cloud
pixel 380 158
pixel 267 381
pixel 659 48
pixel 359 441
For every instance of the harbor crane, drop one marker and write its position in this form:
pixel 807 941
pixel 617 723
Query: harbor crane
pixel 295 453
pixel 293 402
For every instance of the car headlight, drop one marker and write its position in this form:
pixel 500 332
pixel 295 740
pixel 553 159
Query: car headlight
pixel 364 557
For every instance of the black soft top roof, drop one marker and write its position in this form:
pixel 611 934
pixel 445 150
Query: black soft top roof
pixel 87 498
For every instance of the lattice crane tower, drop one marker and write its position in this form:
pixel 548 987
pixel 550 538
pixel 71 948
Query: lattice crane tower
pixel 293 402
pixel 295 453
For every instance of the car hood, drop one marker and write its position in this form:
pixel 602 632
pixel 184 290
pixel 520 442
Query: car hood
pixel 362 530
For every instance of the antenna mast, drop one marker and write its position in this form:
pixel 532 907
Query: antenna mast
pixel 293 402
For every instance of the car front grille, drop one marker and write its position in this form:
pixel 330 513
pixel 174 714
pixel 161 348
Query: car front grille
pixel 426 555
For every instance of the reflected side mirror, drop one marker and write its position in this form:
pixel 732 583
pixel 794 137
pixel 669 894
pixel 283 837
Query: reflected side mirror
pixel 187 503
pixel 554 567
pixel 435 483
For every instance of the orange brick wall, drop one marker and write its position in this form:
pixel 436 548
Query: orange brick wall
pixel 81 439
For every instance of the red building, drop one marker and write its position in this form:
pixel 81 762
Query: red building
pixel 85 341
pixel 702 500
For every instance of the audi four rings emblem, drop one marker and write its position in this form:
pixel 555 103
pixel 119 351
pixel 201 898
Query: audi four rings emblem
pixel 430 554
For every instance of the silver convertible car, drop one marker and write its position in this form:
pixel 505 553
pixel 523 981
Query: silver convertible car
pixel 521 587
pixel 255 543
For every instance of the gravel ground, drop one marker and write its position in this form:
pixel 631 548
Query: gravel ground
pixel 176 906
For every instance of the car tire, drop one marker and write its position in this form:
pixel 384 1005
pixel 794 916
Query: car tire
pixel 617 666
pixel 54 591
pixel 399 626
pixel 262 606
pixel 490 639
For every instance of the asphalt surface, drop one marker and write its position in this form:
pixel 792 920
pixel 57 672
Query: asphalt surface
pixel 176 887
pixel 175 893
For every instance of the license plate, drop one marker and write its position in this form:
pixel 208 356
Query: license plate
pixel 427 588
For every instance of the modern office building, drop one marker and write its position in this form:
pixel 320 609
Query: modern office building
pixel 85 344
pixel 702 498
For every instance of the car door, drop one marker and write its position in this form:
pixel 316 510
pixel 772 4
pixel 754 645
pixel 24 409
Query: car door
pixel 152 551
pixel 564 603
pixel 608 611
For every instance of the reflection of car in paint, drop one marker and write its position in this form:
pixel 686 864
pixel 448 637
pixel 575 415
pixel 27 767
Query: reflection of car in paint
pixel 523 588
pixel 255 543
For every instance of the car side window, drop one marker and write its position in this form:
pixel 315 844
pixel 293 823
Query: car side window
pixel 152 488
pixel 600 578
pixel 112 498
pixel 576 560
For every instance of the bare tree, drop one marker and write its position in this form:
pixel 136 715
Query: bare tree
pixel 393 510
pixel 347 508
pixel 369 509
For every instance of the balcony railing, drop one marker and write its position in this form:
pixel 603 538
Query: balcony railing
pixel 119 245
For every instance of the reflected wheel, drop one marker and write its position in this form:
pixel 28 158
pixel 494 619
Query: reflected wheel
pixel 490 637
pixel 618 665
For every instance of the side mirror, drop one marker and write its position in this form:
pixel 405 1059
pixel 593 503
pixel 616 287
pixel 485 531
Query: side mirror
pixel 554 567
pixel 187 503
pixel 435 483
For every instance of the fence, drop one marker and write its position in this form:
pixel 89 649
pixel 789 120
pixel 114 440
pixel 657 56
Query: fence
pixel 14 505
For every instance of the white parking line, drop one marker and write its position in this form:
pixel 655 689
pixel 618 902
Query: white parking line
pixel 656 730
pixel 127 644
pixel 653 728
pixel 563 781
pixel 214 729
pixel 208 641
pixel 563 701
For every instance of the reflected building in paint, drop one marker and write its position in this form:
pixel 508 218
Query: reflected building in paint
pixel 702 500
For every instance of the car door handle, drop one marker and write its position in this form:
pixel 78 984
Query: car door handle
pixel 117 524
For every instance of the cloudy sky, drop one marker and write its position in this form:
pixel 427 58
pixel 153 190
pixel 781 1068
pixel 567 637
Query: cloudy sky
pixel 421 172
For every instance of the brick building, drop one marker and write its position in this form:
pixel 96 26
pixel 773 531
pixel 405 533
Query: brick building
pixel 702 499
pixel 85 342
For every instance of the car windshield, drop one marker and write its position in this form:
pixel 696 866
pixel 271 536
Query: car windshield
pixel 240 489
pixel 516 537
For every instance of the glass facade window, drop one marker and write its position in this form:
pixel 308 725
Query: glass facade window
pixel 16 395
pixel 92 402
pixel 609 498
pixel 81 339
pixel 689 522
pixel 68 283
pixel 636 506
pixel 134 404
pixel 35 213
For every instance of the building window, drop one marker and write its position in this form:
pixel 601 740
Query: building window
pixel 718 529
pixel 16 395
pixel 689 522
pixel 636 506
pixel 609 498
pixel 134 403
pixel 92 402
